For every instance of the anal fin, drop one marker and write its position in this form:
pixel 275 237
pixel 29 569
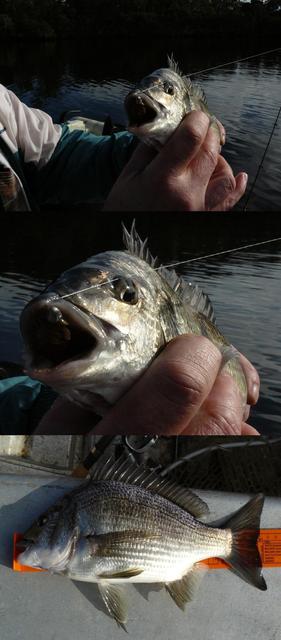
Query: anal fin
pixel 182 591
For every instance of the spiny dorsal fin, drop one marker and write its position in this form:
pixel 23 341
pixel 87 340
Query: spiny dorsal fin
pixel 128 472
pixel 173 65
pixel 136 246
pixel 190 294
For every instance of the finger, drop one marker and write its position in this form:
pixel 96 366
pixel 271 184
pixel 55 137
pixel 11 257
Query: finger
pixel 221 185
pixel 252 379
pixel 223 168
pixel 221 130
pixel 246 412
pixel 65 417
pixel 247 430
pixel 141 157
pixel 204 163
pixel 170 392
pixel 183 145
pixel 232 198
pixel 222 412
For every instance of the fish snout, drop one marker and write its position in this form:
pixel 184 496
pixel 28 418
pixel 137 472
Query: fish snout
pixel 55 331
pixel 140 108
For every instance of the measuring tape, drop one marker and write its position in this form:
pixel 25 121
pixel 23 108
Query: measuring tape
pixel 269 545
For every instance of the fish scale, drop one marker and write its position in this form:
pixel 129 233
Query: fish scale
pixel 114 328
pixel 165 96
pixel 129 525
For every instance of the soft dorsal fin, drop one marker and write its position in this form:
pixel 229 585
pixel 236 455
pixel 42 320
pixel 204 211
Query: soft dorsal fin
pixel 128 472
pixel 198 92
pixel 190 294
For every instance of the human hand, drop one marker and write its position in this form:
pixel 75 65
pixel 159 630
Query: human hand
pixel 188 174
pixel 183 392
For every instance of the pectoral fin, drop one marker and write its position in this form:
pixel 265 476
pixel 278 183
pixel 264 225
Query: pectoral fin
pixel 182 591
pixel 112 544
pixel 115 602
pixel 122 573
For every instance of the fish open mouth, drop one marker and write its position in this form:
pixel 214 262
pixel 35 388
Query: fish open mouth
pixel 141 109
pixel 56 333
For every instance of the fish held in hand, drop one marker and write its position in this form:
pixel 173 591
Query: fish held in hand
pixel 127 524
pixel 95 329
pixel 157 105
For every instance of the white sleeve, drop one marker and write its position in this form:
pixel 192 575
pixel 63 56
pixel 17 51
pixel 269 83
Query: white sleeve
pixel 30 130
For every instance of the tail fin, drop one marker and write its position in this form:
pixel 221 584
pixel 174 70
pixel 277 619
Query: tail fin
pixel 244 559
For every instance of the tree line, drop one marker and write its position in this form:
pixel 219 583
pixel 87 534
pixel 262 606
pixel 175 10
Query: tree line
pixel 48 19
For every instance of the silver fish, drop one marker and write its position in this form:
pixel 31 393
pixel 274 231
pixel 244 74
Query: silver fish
pixel 160 101
pixel 130 525
pixel 96 328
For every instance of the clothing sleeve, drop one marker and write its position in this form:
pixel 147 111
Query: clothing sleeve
pixel 27 130
pixel 83 167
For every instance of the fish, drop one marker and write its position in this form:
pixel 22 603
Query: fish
pixel 94 330
pixel 157 105
pixel 130 525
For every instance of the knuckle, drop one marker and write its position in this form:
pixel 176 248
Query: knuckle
pixel 183 387
pixel 227 422
pixel 211 155
pixel 195 134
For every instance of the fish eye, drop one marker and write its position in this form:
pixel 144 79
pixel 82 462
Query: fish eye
pixel 126 290
pixel 169 88
pixel 41 521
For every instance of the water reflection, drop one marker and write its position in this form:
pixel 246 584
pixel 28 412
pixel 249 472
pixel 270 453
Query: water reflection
pixel 245 96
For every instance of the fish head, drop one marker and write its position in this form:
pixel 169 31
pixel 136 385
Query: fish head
pixel 157 105
pixel 94 330
pixel 50 541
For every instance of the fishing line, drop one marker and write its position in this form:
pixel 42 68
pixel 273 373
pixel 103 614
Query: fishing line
pixel 226 64
pixel 262 160
pixel 176 264
pixel 220 66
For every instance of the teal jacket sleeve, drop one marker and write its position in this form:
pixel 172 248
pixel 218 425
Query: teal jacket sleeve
pixel 17 395
pixel 23 402
pixel 83 167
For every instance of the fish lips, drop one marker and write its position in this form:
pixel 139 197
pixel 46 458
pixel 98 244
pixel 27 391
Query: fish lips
pixel 141 110
pixel 53 558
pixel 61 339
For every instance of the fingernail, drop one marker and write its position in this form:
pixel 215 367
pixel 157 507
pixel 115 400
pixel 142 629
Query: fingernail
pixel 255 390
pixel 245 178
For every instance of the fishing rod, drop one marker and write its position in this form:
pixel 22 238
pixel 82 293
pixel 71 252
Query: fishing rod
pixel 260 442
pixel 262 160
pixel 176 264
pixel 226 64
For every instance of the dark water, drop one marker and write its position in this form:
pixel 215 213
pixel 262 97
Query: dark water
pixel 95 77
pixel 244 286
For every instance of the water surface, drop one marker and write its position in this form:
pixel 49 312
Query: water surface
pixel 244 286
pixel 86 76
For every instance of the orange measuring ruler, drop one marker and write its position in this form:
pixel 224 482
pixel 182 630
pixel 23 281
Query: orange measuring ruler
pixel 269 545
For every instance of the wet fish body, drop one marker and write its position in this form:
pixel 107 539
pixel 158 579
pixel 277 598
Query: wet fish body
pixel 129 525
pixel 96 328
pixel 157 105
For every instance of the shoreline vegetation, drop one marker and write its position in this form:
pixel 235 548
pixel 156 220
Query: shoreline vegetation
pixel 83 19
